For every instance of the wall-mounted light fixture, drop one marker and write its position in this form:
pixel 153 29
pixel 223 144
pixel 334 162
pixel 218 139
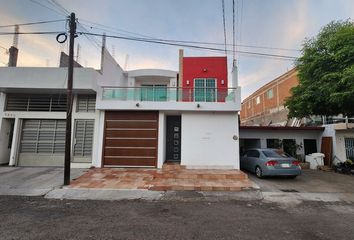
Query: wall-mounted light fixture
pixel 137 105
pixel 222 82
pixel 198 105
pixel 187 82
pixel 205 70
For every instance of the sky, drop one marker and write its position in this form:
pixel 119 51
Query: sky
pixel 262 26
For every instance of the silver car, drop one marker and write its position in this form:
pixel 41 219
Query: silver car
pixel 270 162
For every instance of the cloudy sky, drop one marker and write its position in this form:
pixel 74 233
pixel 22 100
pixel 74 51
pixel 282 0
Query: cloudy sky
pixel 262 26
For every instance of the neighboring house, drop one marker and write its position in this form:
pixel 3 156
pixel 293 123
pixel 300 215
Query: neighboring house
pixel 139 118
pixel 297 141
pixel 266 105
pixel 264 117
pixel 338 141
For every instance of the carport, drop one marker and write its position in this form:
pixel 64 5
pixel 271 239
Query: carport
pixel 307 139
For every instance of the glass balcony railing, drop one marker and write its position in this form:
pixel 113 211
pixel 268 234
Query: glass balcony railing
pixel 166 94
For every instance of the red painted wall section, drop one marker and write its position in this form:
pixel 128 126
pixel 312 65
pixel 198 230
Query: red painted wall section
pixel 205 67
pixel 193 67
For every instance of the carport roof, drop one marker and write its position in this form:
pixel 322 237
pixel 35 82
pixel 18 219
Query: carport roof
pixel 312 128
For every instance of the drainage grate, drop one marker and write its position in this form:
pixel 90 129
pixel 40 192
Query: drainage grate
pixel 288 190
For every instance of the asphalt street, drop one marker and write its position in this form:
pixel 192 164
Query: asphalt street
pixel 39 218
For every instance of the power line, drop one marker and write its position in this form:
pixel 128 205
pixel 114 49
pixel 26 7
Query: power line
pixel 118 31
pixel 29 33
pixel 190 46
pixel 42 5
pixel 223 20
pixel 32 23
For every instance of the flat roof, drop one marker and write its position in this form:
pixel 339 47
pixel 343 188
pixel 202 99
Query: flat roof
pixel 279 128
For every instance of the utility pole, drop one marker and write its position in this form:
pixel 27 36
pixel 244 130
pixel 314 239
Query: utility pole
pixel 69 104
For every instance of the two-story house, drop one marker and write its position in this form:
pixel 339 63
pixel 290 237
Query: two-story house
pixel 138 118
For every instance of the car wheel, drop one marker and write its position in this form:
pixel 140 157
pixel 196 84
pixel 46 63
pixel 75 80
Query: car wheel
pixel 292 177
pixel 259 173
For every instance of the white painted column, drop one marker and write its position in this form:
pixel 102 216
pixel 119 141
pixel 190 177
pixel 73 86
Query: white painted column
pixel 131 90
pixel 14 144
pixel 161 140
pixel 98 144
pixel 172 91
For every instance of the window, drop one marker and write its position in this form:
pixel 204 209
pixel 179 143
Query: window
pixel 83 137
pixel 253 153
pixel 275 154
pixel 36 102
pixel 274 143
pixel 204 90
pixel 153 92
pixel 43 136
pixel 270 93
pixel 86 103
pixel 258 100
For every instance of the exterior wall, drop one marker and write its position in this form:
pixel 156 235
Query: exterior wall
pixel 269 109
pixel 111 73
pixel 33 79
pixel 204 67
pixel 207 140
pixel 298 135
pixel 338 136
pixel 19 116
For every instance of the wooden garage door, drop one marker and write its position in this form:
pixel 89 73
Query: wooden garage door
pixel 130 139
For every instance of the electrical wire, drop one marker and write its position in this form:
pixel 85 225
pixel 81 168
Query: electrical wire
pixel 33 23
pixel 106 28
pixel 285 57
pixel 223 20
pixel 29 33
pixel 42 5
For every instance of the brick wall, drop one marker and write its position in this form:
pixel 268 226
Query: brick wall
pixel 270 104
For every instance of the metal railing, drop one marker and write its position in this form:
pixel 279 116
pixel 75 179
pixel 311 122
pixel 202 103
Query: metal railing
pixel 166 94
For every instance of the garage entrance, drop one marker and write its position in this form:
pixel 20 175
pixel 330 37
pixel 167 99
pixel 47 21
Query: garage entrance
pixel 42 142
pixel 130 139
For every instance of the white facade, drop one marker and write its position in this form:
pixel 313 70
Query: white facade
pixel 210 140
pixel 209 130
pixel 339 132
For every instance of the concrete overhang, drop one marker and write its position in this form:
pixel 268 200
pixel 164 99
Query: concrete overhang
pixel 46 80
pixel 152 72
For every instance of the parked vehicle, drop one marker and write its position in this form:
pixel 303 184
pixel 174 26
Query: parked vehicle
pixel 270 162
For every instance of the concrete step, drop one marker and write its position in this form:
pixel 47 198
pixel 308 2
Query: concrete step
pixel 198 185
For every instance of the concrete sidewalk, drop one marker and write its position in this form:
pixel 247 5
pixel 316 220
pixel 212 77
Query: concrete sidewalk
pixel 32 181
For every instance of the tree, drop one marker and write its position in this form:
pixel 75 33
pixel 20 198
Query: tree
pixel 326 73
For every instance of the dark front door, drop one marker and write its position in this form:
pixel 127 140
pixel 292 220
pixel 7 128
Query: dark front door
pixel 173 139
pixel 310 146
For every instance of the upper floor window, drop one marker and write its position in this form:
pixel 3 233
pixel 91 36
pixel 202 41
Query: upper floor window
pixel 270 93
pixel 153 92
pixel 205 90
pixel 36 102
pixel 86 103
pixel 258 100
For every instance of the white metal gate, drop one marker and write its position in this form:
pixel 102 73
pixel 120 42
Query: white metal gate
pixel 83 140
pixel 42 142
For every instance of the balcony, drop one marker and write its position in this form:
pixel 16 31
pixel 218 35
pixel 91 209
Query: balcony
pixel 169 98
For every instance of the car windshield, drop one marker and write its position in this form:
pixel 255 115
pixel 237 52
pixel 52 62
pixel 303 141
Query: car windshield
pixel 275 154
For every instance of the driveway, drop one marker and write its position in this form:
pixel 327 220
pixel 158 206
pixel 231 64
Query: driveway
pixel 32 181
pixel 310 181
